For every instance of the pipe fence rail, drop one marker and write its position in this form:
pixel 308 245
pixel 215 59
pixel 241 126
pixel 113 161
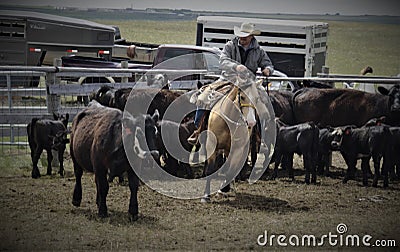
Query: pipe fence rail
pixel 27 92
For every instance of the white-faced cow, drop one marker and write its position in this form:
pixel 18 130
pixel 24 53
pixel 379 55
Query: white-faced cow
pixel 97 145
pixel 45 134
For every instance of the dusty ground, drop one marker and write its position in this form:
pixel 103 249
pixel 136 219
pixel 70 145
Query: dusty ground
pixel 38 214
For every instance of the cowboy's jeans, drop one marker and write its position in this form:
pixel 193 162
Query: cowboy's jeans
pixel 197 118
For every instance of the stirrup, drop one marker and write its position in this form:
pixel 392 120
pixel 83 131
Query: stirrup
pixel 194 138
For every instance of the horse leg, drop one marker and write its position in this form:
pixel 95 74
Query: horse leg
pixel 209 169
pixel 133 202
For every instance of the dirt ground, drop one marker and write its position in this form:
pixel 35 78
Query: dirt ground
pixel 37 214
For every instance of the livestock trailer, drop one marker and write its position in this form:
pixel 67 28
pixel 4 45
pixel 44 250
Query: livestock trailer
pixel 297 48
pixel 33 39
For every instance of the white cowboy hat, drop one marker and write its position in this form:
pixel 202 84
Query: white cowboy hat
pixel 245 30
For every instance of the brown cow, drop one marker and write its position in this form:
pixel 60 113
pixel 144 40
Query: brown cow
pixel 97 146
pixel 339 107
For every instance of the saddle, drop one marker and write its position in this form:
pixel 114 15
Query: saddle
pixel 207 96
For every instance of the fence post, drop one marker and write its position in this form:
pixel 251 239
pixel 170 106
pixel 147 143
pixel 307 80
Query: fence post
pixel 53 101
pixel 124 65
pixel 9 94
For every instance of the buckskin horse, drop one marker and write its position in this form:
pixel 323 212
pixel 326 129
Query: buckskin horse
pixel 230 121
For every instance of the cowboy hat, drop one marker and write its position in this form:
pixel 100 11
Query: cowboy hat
pixel 245 30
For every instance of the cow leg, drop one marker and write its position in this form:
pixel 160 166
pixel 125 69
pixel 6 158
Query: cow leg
pixel 288 164
pixel 351 167
pixel 365 167
pixel 61 159
pixel 35 159
pixel 77 195
pixel 385 171
pixel 133 202
pixel 278 158
pixel 307 164
pixel 49 160
pixel 377 161
pixel 313 167
pixel 102 190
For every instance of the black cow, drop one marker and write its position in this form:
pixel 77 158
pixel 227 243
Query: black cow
pixel 172 165
pixel 97 145
pixel 393 157
pixel 44 134
pixel 339 107
pixel 301 139
pixel 324 150
pixel 364 143
pixel 156 99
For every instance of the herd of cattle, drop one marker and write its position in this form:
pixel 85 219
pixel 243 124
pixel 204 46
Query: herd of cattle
pixel 312 122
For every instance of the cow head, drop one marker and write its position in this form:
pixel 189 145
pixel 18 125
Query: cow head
pixel 59 140
pixel 338 134
pixel 62 118
pixel 394 96
pixel 132 131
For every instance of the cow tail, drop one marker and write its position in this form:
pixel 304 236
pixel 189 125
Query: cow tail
pixel 32 126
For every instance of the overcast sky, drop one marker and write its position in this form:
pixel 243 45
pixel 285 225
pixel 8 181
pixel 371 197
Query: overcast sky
pixel 344 7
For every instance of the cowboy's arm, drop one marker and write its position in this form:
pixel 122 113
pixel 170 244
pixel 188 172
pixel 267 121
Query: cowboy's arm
pixel 266 64
pixel 226 59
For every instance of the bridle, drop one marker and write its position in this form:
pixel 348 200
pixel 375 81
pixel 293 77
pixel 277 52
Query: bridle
pixel 241 105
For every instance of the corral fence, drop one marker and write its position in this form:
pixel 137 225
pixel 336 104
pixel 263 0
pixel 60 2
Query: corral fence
pixel 59 91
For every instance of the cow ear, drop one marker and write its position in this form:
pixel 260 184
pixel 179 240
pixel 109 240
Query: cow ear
pixel 55 116
pixel 347 131
pixel 67 117
pixel 383 90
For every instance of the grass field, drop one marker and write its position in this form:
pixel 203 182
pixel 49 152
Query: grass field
pixel 351 45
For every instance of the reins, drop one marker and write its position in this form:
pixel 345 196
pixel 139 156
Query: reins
pixel 241 105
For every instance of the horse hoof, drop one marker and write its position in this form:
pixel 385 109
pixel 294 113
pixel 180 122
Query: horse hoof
pixel 205 200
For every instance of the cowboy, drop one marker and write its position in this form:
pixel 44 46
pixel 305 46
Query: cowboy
pixel 241 54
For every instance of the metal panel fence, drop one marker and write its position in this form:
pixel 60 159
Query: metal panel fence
pixel 28 92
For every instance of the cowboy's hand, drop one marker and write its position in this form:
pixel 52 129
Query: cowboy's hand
pixel 241 68
pixel 266 72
